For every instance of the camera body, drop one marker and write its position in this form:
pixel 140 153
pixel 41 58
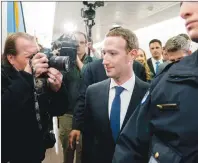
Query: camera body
pixel 90 13
pixel 62 57
pixel 63 54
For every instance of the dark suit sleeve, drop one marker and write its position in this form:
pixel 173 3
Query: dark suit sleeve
pixel 15 94
pixel 150 64
pixel 139 70
pixel 58 101
pixel 133 143
pixel 143 74
pixel 88 137
pixel 78 116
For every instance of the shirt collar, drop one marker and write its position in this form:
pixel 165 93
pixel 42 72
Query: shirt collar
pixel 154 61
pixel 128 85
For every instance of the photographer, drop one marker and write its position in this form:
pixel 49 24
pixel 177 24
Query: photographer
pixel 26 115
pixel 73 79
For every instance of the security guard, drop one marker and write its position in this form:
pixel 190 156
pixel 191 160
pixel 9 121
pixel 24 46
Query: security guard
pixel 165 127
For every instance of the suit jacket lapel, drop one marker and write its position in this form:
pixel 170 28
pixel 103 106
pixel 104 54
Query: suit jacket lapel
pixel 151 66
pixel 134 102
pixel 105 104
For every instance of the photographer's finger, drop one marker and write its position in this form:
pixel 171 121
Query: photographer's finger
pixel 53 71
pixel 56 74
pixel 40 71
pixel 59 77
pixel 51 76
pixel 43 60
pixel 41 65
pixel 39 55
pixel 52 81
pixel 35 62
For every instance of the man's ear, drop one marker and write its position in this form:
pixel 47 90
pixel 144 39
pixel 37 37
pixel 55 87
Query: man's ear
pixel 133 54
pixel 189 52
pixel 10 58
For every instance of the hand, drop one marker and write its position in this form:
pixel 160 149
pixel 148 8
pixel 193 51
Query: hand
pixel 90 46
pixel 74 136
pixel 55 79
pixel 77 58
pixel 40 64
pixel 28 68
pixel 79 63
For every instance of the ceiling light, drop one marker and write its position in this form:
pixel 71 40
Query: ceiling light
pixel 69 27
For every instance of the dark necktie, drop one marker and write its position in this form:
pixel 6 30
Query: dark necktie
pixel 115 113
pixel 157 66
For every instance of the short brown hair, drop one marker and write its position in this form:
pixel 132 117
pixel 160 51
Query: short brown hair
pixel 155 40
pixel 10 44
pixel 130 37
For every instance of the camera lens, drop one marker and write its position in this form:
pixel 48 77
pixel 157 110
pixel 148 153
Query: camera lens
pixel 66 63
pixel 61 63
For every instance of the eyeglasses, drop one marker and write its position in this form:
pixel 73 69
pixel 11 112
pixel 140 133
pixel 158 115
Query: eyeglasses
pixel 82 42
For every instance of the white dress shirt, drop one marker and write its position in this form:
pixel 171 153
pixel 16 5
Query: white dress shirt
pixel 154 63
pixel 125 96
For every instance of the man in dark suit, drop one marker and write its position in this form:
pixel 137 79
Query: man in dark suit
pixel 94 73
pixel 110 103
pixel 156 50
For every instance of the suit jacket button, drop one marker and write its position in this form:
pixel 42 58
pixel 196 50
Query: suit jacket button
pixel 156 155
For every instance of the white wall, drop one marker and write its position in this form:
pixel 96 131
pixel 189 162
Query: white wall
pixel 39 19
pixel 162 31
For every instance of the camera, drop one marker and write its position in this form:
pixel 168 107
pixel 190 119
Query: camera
pixel 89 15
pixel 90 12
pixel 63 54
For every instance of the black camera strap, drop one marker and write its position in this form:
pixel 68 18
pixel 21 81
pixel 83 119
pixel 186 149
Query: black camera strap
pixel 36 104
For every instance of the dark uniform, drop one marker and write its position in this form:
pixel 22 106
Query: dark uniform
pixel 165 127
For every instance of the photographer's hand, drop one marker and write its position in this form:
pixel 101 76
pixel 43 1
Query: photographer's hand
pixel 90 46
pixel 40 64
pixel 79 63
pixel 55 79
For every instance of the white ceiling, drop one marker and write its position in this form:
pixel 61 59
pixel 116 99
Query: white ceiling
pixel 133 15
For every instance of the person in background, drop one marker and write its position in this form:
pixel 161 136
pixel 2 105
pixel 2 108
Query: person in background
pixel 176 48
pixel 156 50
pixel 142 59
pixel 188 39
pixel 72 80
pixel 164 54
pixel 185 36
